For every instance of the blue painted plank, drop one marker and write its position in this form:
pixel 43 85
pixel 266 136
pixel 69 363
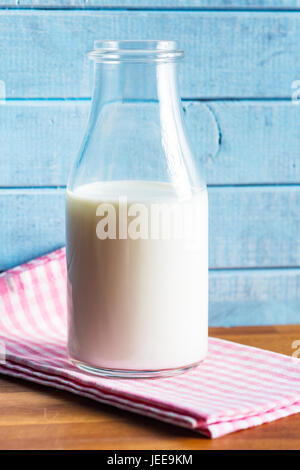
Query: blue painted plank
pixel 258 142
pixel 228 54
pixel 249 227
pixel 254 226
pixel 31 222
pixel 234 142
pixel 167 4
pixel 42 139
pixel 254 297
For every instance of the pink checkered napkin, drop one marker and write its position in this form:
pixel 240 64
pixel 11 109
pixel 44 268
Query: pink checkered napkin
pixel 236 387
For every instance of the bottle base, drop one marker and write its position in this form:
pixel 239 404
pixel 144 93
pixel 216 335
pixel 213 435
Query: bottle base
pixel 130 373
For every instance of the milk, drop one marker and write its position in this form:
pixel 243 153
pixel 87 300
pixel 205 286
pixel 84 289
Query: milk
pixel 136 302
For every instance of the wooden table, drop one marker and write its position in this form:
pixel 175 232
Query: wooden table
pixel 36 417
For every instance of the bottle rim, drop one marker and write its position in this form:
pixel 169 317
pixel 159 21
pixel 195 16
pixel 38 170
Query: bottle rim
pixel 135 51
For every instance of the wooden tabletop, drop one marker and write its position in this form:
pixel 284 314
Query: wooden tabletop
pixel 36 417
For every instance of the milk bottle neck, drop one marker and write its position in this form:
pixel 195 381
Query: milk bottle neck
pixel 137 83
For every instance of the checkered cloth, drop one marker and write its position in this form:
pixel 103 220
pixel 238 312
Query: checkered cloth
pixel 236 387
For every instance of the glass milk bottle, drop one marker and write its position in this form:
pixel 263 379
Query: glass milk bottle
pixel 136 222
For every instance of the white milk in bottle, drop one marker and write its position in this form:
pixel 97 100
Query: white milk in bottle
pixel 137 279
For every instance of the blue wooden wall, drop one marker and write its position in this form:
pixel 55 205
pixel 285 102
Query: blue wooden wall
pixel 242 57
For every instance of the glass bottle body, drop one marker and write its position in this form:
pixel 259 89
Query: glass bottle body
pixel 136 219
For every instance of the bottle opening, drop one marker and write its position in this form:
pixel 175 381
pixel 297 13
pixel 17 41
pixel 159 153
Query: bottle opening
pixel 135 51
